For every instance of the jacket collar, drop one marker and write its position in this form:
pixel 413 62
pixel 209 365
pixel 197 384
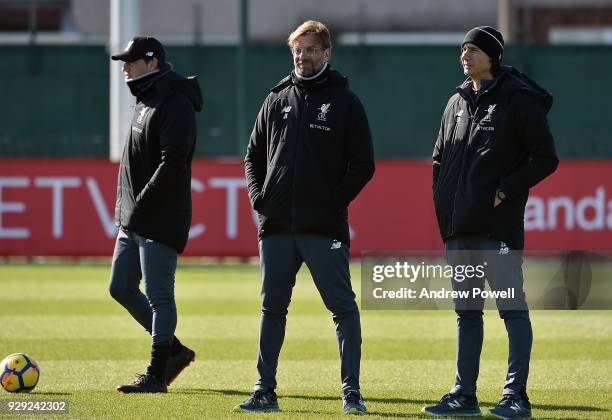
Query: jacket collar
pixel 506 83
pixel 141 85
pixel 328 77
pixel 312 82
pixel 467 92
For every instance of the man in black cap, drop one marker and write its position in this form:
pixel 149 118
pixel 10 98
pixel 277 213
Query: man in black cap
pixel 153 208
pixel 494 144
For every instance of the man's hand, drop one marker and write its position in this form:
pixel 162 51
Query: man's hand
pixel 499 197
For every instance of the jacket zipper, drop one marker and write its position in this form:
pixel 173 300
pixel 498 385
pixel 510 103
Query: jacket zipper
pixel 297 145
pixel 472 118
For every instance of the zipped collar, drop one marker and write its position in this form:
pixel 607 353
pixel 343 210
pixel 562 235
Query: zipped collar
pixel 508 81
pixel 306 83
pixel 313 77
pixel 466 90
pixel 140 85
pixel 328 77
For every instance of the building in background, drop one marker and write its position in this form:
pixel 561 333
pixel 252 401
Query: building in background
pixel 191 22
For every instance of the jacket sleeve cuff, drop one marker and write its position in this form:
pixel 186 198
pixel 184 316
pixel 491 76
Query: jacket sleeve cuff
pixel 256 201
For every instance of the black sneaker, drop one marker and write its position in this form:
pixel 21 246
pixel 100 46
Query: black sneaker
pixel 454 405
pixel 260 401
pixel 144 383
pixel 177 363
pixel 353 403
pixel 513 407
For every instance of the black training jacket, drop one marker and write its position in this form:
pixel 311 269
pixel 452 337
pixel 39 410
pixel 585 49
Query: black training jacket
pixel 309 155
pixel 502 141
pixel 154 182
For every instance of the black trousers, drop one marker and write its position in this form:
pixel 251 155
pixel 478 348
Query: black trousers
pixel 328 261
pixel 503 270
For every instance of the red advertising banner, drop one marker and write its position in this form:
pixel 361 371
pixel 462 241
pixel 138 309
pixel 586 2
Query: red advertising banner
pixel 66 207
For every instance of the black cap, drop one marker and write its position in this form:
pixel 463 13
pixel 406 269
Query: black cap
pixel 142 47
pixel 487 39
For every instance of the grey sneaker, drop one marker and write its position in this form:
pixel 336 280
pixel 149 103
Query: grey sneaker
pixel 454 405
pixel 260 401
pixel 144 383
pixel 513 407
pixel 353 403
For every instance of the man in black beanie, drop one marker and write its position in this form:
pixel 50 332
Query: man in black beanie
pixel 489 40
pixel 494 144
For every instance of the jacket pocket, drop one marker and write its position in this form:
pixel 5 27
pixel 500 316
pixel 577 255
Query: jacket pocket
pixel 473 212
pixel 273 188
pixel 443 206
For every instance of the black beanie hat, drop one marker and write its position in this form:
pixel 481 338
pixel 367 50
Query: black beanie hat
pixel 487 39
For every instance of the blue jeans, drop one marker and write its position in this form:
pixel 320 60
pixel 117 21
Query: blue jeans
pixel 136 257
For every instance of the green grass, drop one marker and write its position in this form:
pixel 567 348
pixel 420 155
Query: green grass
pixel 87 344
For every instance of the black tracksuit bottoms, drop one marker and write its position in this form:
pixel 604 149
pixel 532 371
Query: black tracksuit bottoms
pixel 503 269
pixel 282 256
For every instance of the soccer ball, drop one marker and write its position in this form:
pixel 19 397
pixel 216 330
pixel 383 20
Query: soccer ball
pixel 19 373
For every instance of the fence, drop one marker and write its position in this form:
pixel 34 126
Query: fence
pixel 56 97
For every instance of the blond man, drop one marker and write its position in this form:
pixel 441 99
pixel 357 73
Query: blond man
pixel 309 155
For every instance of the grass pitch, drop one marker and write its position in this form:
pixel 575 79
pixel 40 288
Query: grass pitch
pixel 87 344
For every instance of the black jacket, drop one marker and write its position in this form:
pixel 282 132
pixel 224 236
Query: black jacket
pixel 154 182
pixel 499 139
pixel 309 155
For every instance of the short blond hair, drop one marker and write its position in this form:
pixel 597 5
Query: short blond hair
pixel 311 27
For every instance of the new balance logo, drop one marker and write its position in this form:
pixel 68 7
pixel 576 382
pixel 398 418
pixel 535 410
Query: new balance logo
pixel 285 111
pixel 459 114
pixel 143 114
pixel 336 244
pixel 455 404
pixel 503 248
